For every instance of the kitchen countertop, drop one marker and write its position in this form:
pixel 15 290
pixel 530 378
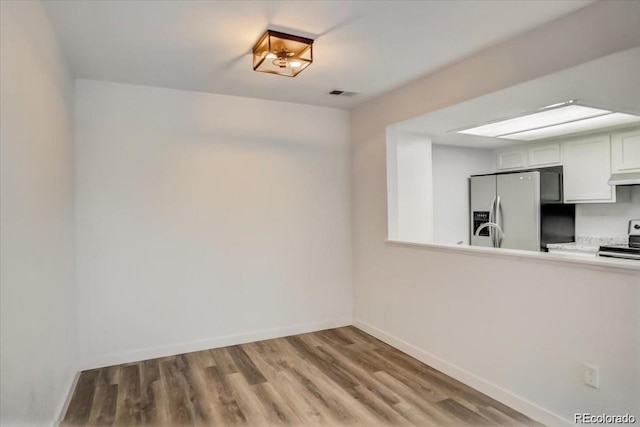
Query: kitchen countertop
pixel 586 244
pixel 585 259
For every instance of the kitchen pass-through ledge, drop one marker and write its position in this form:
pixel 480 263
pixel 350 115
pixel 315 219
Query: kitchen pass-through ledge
pixel 595 262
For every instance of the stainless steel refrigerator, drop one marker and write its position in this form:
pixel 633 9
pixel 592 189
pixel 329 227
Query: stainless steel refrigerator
pixel 520 210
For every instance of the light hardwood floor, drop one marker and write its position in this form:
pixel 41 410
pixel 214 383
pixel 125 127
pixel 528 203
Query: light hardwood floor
pixel 329 378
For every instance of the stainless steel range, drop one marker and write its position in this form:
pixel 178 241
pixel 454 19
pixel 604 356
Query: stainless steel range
pixel 629 251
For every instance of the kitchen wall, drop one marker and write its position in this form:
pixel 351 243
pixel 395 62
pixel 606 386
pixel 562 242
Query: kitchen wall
pixel 206 220
pixel 607 219
pixel 452 167
pixel 38 322
pixel 410 207
pixel 519 330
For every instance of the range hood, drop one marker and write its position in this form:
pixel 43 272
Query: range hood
pixel 625 178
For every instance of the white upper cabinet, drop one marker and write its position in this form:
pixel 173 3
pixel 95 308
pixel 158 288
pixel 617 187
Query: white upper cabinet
pixel 625 151
pixel 587 162
pixel 512 158
pixel 528 157
pixel 587 167
pixel 544 155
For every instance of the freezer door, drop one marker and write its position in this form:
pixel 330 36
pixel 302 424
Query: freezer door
pixel 518 211
pixel 483 194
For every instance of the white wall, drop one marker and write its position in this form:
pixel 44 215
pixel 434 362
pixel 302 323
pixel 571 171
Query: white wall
pixel 452 167
pixel 607 219
pixel 205 220
pixel 410 202
pixel 520 330
pixel 38 328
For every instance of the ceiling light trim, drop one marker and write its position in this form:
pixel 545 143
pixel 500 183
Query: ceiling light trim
pixel 598 112
pixel 605 113
pixel 597 123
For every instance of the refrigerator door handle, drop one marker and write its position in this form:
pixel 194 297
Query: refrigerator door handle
pixel 499 222
pixel 492 213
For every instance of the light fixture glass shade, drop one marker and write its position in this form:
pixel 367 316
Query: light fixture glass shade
pixel 554 120
pixel 282 54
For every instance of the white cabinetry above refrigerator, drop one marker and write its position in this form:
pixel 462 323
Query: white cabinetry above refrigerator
pixel 529 156
pixel 511 159
pixel 588 163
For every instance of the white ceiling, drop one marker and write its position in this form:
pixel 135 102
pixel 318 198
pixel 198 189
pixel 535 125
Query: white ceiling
pixel 364 46
pixel 610 82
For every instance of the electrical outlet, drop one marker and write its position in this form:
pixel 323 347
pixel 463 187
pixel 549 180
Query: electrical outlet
pixel 591 375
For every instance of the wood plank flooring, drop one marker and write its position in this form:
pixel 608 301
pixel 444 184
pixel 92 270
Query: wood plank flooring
pixel 329 378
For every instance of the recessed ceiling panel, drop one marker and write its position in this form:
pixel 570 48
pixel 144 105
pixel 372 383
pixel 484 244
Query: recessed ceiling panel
pixel 535 120
pixel 594 123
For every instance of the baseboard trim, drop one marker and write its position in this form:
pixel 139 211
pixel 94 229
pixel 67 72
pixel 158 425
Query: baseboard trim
pixel 64 403
pixel 496 392
pixel 204 344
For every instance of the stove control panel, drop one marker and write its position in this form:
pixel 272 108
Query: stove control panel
pixel 634 233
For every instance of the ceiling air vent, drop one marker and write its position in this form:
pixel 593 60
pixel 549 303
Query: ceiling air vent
pixel 338 92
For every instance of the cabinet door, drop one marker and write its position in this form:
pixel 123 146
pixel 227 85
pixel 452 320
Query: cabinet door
pixel 545 155
pixel 625 151
pixel 587 167
pixel 511 159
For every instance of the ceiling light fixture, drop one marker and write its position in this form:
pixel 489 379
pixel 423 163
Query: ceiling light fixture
pixel 553 120
pixel 282 54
